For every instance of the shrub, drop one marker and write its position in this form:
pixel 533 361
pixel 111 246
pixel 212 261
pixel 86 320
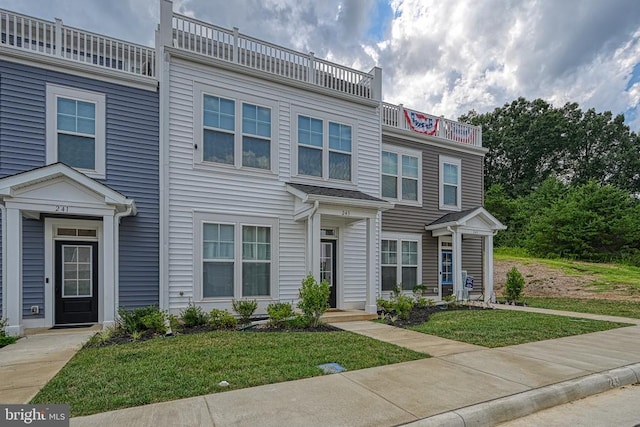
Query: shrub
pixel 314 299
pixel 403 305
pixel 279 312
pixel 5 340
pixel 101 338
pixel 296 322
pixel 174 323
pixel 194 315
pixel 514 285
pixel 384 305
pixel 244 308
pixel 142 319
pixel 222 319
pixel 422 302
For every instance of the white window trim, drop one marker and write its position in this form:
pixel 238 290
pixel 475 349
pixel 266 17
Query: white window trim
pixel 239 98
pixel 201 218
pixel 399 238
pixel 400 151
pixel 55 91
pixel 326 118
pixel 452 161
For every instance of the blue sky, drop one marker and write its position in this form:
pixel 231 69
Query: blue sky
pixel 439 57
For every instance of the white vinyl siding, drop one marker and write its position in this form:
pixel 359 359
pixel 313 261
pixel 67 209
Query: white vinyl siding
pixel 450 183
pixel 205 187
pixel 76 122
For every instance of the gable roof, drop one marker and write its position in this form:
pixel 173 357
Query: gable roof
pixel 336 196
pixel 463 218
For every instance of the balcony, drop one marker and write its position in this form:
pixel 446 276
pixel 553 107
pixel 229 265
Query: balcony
pixel 396 116
pixel 54 39
pixel 209 40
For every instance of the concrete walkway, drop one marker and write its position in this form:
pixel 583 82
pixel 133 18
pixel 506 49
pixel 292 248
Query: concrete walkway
pixel 569 314
pixel 462 384
pixel 27 365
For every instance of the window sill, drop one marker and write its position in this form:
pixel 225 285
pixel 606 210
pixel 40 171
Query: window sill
pixel 397 202
pixel 450 208
pixel 234 170
pixel 321 182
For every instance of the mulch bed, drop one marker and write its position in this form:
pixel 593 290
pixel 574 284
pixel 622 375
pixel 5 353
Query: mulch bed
pixel 420 315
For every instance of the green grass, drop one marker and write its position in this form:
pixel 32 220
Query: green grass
pixel 581 305
pixel 120 376
pixel 499 328
pixel 607 276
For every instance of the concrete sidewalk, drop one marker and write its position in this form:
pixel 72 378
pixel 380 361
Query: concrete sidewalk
pixel 462 385
pixel 30 363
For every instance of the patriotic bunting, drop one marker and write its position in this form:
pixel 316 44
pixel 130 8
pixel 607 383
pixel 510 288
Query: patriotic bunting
pixel 421 123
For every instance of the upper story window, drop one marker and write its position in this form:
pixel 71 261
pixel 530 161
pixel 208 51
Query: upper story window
pixel 450 183
pixel 76 129
pixel 324 148
pixel 401 175
pixel 235 132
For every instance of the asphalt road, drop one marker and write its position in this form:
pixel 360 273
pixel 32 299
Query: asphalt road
pixel 619 408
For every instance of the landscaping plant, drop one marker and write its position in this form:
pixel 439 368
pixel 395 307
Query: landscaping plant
pixel 142 319
pixel 314 299
pixel 279 312
pixel 4 339
pixel 193 316
pixel 222 319
pixel 244 309
pixel 514 286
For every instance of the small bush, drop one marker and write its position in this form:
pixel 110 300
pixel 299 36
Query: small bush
pixel 244 309
pixel 403 305
pixel 422 302
pixel 193 316
pixel 384 305
pixel 279 312
pixel 142 319
pixel 5 340
pixel 514 285
pixel 314 299
pixel 296 322
pixel 101 338
pixel 174 323
pixel 222 319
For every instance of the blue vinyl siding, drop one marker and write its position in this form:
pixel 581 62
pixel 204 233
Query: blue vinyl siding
pixel 132 168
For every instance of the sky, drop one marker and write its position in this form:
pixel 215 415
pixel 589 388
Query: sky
pixel 439 57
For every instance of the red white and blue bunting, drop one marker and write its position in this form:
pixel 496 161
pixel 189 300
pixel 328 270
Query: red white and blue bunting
pixel 421 123
pixel 458 133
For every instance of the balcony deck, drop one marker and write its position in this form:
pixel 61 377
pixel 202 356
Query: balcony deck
pixel 23 33
pixel 398 117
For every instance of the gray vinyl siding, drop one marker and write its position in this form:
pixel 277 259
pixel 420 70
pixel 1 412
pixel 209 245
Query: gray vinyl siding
pixel 472 259
pixel 1 255
pixel 32 267
pixel 412 219
pixel 132 167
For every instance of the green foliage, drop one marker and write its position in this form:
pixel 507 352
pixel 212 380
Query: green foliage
pixel 244 309
pixel 384 305
pixel 194 315
pixel 5 340
pixel 142 319
pixel 403 305
pixel 222 319
pixel 3 325
pixel 101 338
pixel 399 306
pixel 422 302
pixel 514 285
pixel 449 298
pixel 174 322
pixel 314 299
pixel 279 312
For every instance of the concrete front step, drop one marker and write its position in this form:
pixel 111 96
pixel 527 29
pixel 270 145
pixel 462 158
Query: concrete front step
pixel 347 316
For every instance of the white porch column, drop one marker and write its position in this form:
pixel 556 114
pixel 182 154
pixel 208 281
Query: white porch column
pixel 371 305
pixel 12 228
pixel 489 295
pixel 108 280
pixel 457 264
pixel 313 245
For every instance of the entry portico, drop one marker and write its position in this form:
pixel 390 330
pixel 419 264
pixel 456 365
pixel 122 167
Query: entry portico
pixel 328 210
pixel 81 220
pixel 478 222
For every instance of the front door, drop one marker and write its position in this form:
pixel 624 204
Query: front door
pixel 328 268
pixel 446 272
pixel 76 284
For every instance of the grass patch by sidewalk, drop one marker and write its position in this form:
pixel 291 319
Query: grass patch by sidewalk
pixel 499 328
pixel 162 369
pixel 584 305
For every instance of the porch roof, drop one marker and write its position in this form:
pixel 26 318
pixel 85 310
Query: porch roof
pixel 474 221
pixel 339 196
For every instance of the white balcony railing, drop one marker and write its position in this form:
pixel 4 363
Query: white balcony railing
pixel 426 124
pixel 58 40
pixel 229 45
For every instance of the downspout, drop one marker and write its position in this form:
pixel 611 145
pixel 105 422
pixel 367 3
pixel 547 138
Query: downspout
pixel 116 256
pixel 3 212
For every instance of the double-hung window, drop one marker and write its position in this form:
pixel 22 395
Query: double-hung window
pixel 401 261
pixel 237 257
pixel 76 129
pixel 234 131
pixel 450 183
pixel 401 175
pixel 325 149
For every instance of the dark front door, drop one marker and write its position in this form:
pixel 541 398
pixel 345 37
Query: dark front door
pixel 76 285
pixel 328 268
pixel 446 272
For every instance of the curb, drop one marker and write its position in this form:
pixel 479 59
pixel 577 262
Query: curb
pixel 526 403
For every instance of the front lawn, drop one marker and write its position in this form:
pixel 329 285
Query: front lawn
pixel 499 328
pixel 162 369
pixel 583 305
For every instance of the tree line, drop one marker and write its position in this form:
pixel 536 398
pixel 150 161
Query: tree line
pixel 566 182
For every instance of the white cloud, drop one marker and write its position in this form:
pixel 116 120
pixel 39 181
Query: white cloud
pixel 443 58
